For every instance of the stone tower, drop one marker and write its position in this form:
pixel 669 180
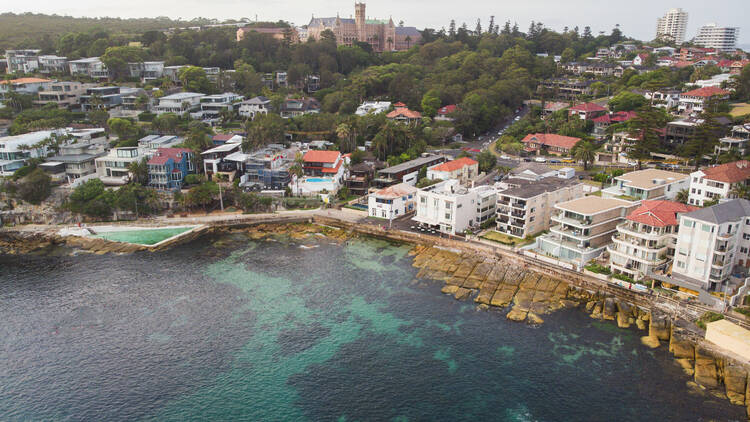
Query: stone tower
pixel 360 19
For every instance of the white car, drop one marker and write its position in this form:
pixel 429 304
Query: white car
pixel 517 118
pixel 540 160
pixel 505 157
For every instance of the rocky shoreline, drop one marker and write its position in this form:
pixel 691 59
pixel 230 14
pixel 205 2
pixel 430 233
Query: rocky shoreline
pixel 491 282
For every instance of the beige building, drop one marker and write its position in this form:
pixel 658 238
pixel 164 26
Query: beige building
pixel 382 35
pixel 526 207
pixel 647 184
pixel 582 228
pixel 463 169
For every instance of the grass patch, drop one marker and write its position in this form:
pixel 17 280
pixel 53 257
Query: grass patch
pixel 597 193
pixel 599 269
pixel 628 198
pixel 740 109
pixel 708 317
pixel 503 238
pixel 743 311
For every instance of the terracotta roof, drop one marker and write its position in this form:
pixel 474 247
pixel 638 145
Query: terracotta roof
pixel 403 111
pixel 399 104
pixel 709 91
pixel 396 191
pixel 321 156
pixel 447 109
pixel 454 165
pixel 659 213
pixel 263 30
pixel 164 154
pixel 618 117
pixel 25 81
pixel 551 140
pixel 587 107
pixel 729 172
pixel 223 137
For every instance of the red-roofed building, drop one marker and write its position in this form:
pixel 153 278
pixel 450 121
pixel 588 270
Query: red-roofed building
pixel 646 239
pixel 168 167
pixel 399 105
pixel 324 170
pixel 694 101
pixel 603 122
pixel 587 111
pixel 554 144
pixel 640 60
pixel 712 183
pixel 463 169
pixel 404 115
pixel 444 113
pixel 281 34
pixel 30 86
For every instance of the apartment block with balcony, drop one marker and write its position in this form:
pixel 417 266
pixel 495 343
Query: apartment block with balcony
pixel 451 208
pixel 718 182
pixel 64 94
pixel 712 241
pixel 179 103
pixel 582 228
pixel 90 66
pixel 525 208
pixel 647 184
pixel 211 106
pixel 736 141
pixel 647 239
pixel 113 168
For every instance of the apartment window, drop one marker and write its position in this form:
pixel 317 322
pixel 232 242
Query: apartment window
pixel 745 236
pixel 743 250
pixel 531 220
pixel 706 228
pixel 423 200
pixel 447 216
pixel 680 264
pixel 688 223
pixel 692 190
pixel 683 252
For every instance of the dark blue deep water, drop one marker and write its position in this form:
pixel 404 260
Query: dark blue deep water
pixel 226 328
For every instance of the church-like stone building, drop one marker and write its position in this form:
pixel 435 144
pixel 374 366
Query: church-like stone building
pixel 382 35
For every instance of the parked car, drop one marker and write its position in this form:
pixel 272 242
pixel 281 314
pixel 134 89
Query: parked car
pixel 568 161
pixel 540 160
pixel 527 159
pixel 554 161
pixel 505 157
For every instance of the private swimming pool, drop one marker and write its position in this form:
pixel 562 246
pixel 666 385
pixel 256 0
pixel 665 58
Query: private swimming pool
pixel 317 180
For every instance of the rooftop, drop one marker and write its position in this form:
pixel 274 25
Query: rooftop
pixel 405 112
pixel 182 96
pixel 164 154
pixel 416 163
pixel 651 178
pixel 734 172
pixel 526 189
pixel 723 212
pixel 551 140
pixel 454 165
pixel 659 213
pixel 314 156
pixel 20 81
pixel 709 91
pixel 395 191
pixel 587 107
pixel 591 205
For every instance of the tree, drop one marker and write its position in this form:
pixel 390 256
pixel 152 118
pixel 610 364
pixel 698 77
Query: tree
pixel 264 129
pixel 35 187
pixel 568 55
pixel 644 129
pixel 740 190
pixel 296 168
pixel 117 58
pixel 487 161
pixel 627 101
pixel 202 195
pixel 430 104
pixel 706 136
pixel 139 171
pixel 194 79
pixel 123 128
pixel 584 151
pixel 682 196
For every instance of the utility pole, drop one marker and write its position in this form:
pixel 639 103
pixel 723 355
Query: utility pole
pixel 221 197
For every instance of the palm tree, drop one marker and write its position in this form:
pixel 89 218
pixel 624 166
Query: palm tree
pixel 682 196
pixel 296 168
pixel 740 190
pixel 139 171
pixel 584 151
pixel 408 41
pixel 344 132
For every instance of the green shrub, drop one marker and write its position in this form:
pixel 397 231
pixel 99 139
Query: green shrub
pixel 193 179
pixel 146 117
pixel 708 317
pixel 623 277
pixel 599 269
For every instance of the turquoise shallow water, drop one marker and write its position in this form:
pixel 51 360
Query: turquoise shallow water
pixel 225 328
pixel 143 237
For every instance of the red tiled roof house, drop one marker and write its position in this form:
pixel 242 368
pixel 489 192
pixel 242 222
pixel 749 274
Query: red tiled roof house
pixel 694 101
pixel 463 169
pixel 552 143
pixel 718 182
pixel 587 111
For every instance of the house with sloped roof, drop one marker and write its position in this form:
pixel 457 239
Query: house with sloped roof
pixel 587 111
pixel 168 167
pixel 404 115
pixel 549 142
pixel 718 182
pixel 295 107
pixel 392 202
pixel 463 169
pixel 694 101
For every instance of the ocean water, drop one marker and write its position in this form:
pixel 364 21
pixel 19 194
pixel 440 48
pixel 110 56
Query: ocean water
pixel 226 328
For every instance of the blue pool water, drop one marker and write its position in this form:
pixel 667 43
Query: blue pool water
pixel 317 180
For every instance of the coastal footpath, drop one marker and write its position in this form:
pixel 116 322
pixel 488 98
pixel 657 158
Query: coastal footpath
pixel 523 288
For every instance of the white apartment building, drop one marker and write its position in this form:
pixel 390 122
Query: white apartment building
pixel 714 183
pixel 672 26
pixel 90 66
pixel 257 105
pixel 583 228
pixel 16 150
pixel 22 61
pixel 525 208
pixel 53 64
pixel 718 37
pixel 647 239
pixel 392 202
pixel 374 107
pixel 464 169
pixel 647 184
pixel 711 242
pixel 212 105
pixel 112 169
pixel 146 71
pixel 451 208
pixel 179 103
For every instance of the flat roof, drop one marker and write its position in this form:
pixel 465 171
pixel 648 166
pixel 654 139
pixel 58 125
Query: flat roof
pixel 182 95
pixel 644 179
pixel 418 162
pixel 222 148
pixel 527 189
pixel 590 205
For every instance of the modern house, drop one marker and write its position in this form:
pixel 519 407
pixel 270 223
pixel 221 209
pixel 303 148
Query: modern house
pixel 113 168
pixel 79 158
pixel 91 67
pixel 104 97
pixel 151 143
pixel 464 169
pixel 63 94
pixel 168 167
pixel 16 150
pixel 254 106
pixel 406 172
pixel 323 171
pixel 736 141
pixel 647 184
pixel 647 239
pixel 525 208
pixel 451 208
pixel 565 89
pixel 179 103
pixel 718 182
pixel 694 101
pixel 711 242
pixel 582 228
pixel 297 107
pixel 211 106
pixel 374 107
pixel 586 111
pixel 678 132
pixel 392 202
pixel 22 61
pixel 359 178
pixel 268 168
pixel 214 160
pixel 550 143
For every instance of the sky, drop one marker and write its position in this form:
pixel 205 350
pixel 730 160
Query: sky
pixel 637 18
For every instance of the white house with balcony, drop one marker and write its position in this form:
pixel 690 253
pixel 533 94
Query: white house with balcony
pixel 179 103
pixel 16 150
pixel 254 106
pixel 374 107
pixel 90 66
pixel 647 239
pixel 392 202
pixel 113 168
pixel 647 184
pixel 451 208
pixel 211 106
pixel 718 182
